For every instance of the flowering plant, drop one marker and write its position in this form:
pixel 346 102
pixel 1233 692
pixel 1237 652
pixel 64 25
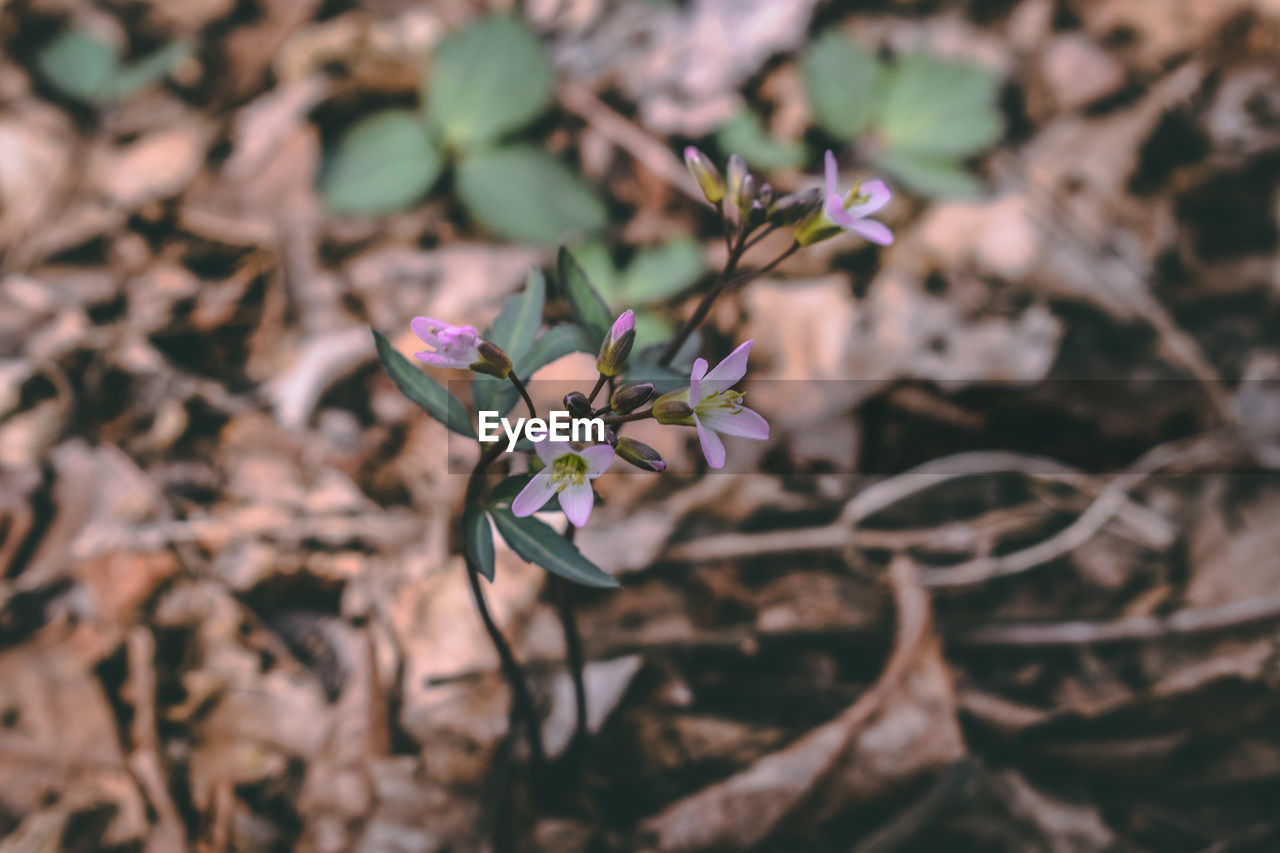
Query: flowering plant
pixel 561 473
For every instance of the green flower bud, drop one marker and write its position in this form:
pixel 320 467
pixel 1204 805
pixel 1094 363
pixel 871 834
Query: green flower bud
pixel 816 228
pixel 736 180
pixel 795 207
pixel 705 173
pixel 639 454
pixel 617 345
pixel 630 397
pixel 673 408
pixel 577 404
pixel 493 360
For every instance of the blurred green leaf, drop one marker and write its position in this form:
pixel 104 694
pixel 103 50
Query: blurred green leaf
pixel 840 79
pixel 535 542
pixel 525 194
pixel 660 272
pixel 430 395
pixel 597 262
pixel 744 135
pixel 89 69
pixel 477 539
pixel 383 163
pixel 486 80
pixel 588 306
pixel 652 328
pixel 150 69
pixel 938 107
pixel 929 175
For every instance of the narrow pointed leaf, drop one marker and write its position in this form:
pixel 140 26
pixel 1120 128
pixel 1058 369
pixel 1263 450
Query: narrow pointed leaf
pixel 477 539
pixel 588 306
pixel 535 542
pixel 514 330
pixel 429 394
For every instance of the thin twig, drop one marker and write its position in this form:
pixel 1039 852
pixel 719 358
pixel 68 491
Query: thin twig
pixel 1187 622
pixel 170 831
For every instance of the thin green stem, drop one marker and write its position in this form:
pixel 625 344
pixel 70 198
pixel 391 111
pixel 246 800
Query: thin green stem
pixel 622 419
pixel 591 398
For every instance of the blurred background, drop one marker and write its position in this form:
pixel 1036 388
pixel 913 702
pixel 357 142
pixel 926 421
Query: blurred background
pixel 233 614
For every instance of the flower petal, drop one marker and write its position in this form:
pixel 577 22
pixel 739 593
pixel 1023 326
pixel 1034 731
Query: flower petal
pixel 695 381
pixel 576 501
pixel 712 446
pixel 876 232
pixel 878 195
pixel 725 374
pixel 832 174
pixel 548 451
pixel 745 423
pixel 439 359
pixel 428 329
pixel 535 493
pixel 834 208
pixel 599 457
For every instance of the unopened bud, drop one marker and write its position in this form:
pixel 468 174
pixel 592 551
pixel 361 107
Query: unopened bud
pixel 795 207
pixel 493 360
pixel 577 404
pixel 705 173
pixel 673 408
pixel 639 454
pixel 737 176
pixel 746 194
pixel 765 195
pixel 630 397
pixel 617 345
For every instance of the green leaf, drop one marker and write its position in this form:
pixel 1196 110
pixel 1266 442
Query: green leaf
pixel 597 262
pixel 486 80
pixel 939 107
pixel 513 330
pixel 524 194
pixel 535 542
pixel 517 324
pixel 588 306
pixel 553 344
pixel 79 65
pixel 930 176
pixel 150 69
pixel 840 79
pixel 383 163
pixel 477 539
pixel 429 394
pixel 744 135
pixel 505 492
pixel 652 328
pixel 663 271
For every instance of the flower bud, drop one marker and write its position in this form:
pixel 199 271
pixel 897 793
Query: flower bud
pixel 705 173
pixel 493 360
pixel 735 183
pixel 795 207
pixel 577 404
pixel 673 408
pixel 617 345
pixel 630 397
pixel 765 196
pixel 815 228
pixel 639 454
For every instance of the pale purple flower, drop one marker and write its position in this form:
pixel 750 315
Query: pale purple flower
pixel 568 473
pixel 850 212
pixel 450 346
pixel 717 409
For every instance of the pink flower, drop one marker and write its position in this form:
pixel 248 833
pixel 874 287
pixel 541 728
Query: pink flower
pixel 709 405
pixel 850 212
pixel 450 346
pixel 568 474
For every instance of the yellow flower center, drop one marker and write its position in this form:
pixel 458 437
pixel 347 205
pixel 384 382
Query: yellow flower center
pixel 730 401
pixel 569 470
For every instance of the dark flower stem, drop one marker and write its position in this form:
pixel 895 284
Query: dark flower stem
pixel 595 392
pixel 521 697
pixel 573 648
pixel 524 392
pixel 622 419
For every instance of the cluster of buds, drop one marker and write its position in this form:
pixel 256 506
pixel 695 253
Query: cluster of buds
pixel 812 215
pixel 708 404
